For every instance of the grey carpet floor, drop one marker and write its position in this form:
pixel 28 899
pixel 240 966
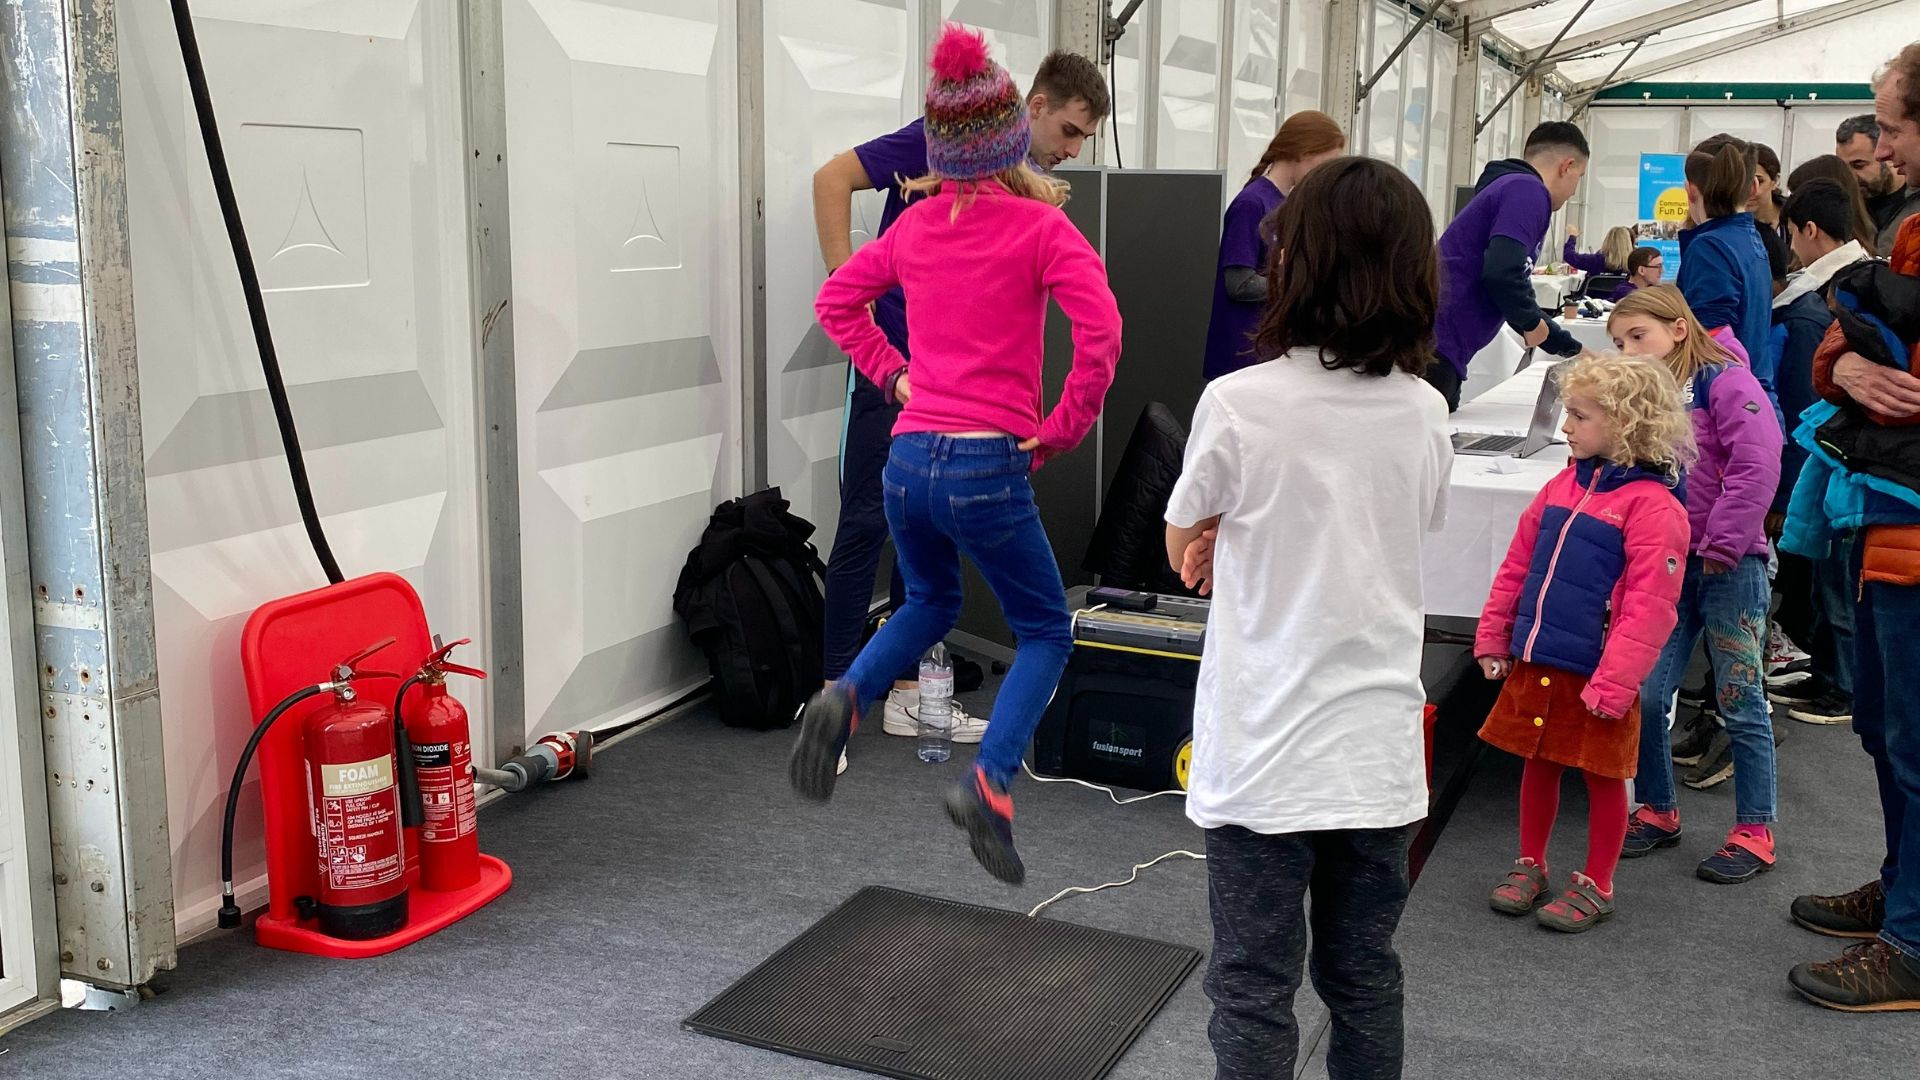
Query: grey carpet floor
pixel 645 891
pixel 1689 980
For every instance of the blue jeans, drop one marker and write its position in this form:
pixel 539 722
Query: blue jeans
pixel 1833 600
pixel 947 497
pixel 1886 716
pixel 1731 609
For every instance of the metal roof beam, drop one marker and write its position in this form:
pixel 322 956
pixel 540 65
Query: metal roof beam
pixel 1734 43
pixel 1489 10
pixel 1638 29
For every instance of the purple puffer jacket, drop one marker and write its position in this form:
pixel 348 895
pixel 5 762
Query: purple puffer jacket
pixel 1732 486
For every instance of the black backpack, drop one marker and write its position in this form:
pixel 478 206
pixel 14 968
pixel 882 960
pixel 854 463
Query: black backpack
pixel 751 596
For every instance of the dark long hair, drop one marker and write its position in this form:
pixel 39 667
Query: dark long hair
pixel 1830 167
pixel 1353 271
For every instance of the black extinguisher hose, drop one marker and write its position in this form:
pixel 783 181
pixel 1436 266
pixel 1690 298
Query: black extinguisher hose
pixel 412 812
pixel 250 285
pixel 230 911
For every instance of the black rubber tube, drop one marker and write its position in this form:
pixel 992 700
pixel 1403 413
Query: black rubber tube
pixel 230 911
pixel 250 286
pixel 412 811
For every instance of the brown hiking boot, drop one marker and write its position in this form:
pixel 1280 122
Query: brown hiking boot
pixel 1872 976
pixel 1857 914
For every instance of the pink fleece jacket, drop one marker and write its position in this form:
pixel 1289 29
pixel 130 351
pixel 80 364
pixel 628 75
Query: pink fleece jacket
pixel 977 287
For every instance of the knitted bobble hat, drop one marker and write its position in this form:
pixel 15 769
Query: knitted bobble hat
pixel 976 123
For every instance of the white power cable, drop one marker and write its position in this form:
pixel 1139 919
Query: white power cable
pixel 1111 794
pixel 1131 878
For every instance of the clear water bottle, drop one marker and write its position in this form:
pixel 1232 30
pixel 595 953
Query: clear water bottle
pixel 935 723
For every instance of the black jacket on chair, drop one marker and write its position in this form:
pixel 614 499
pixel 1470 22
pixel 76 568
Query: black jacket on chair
pixel 1129 547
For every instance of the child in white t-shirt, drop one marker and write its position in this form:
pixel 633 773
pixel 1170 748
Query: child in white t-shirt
pixel 1310 480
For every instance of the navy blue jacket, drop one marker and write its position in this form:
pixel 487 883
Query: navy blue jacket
pixel 1727 282
pixel 1797 330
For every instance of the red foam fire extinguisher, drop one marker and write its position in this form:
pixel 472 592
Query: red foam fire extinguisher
pixel 436 731
pixel 358 782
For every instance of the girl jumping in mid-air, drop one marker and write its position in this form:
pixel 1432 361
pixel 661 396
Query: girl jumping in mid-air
pixel 978 257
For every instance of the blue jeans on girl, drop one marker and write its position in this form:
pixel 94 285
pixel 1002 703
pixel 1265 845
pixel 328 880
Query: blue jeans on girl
pixel 946 497
pixel 1731 609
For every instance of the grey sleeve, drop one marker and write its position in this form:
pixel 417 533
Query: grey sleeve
pixel 1245 285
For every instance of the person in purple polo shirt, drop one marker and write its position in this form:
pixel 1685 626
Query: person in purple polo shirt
pixel 1068 100
pixel 1487 255
pixel 1240 283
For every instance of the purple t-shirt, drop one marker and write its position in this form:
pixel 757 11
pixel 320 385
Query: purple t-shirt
pixel 889 160
pixel 1515 206
pixel 1242 243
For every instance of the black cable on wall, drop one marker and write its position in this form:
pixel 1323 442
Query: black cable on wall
pixel 250 285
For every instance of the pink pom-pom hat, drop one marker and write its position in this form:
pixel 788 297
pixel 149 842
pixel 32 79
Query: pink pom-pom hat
pixel 976 122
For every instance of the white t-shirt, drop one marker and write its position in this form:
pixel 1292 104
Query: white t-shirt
pixel 1308 710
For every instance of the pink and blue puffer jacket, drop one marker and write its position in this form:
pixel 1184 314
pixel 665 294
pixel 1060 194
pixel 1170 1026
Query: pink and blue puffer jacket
pixel 1592 579
pixel 1733 485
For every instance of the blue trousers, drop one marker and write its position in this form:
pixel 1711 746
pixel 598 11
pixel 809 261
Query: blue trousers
pixel 1731 610
pixel 1886 716
pixel 947 497
pixel 860 538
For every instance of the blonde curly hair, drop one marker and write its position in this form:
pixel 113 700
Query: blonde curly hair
pixel 1643 406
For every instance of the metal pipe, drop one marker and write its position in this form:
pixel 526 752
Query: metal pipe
pixel 1602 84
pixel 1481 124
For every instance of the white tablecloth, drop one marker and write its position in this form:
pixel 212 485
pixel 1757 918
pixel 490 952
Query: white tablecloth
pixel 1485 503
pixel 1591 332
pixel 1550 289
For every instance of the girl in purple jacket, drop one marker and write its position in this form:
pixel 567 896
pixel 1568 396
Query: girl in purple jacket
pixel 1726 591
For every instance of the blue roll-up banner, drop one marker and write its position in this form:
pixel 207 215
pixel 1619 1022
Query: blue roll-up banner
pixel 1663 208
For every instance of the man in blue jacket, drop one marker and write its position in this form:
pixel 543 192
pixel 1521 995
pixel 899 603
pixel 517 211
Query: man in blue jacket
pixel 1487 255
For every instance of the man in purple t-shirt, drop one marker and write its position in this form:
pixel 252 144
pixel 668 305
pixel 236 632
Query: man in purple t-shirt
pixel 1068 101
pixel 1487 255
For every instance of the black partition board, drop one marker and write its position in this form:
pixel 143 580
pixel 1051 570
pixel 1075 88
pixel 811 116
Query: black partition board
pixel 1067 488
pixel 1162 251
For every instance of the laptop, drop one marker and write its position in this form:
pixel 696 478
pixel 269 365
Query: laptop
pixel 1540 432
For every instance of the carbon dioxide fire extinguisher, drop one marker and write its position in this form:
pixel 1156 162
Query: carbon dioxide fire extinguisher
pixel 436 730
pixel 359 786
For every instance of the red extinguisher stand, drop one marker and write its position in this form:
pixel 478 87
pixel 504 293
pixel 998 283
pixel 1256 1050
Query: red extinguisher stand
pixel 289 644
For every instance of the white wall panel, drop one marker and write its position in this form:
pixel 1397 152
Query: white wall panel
pixel 1754 123
pixel 1189 104
pixel 621 122
pixel 1618 137
pixel 1256 81
pixel 1437 185
pixel 342 126
pixel 1382 107
pixel 1017 30
pixel 1306 56
pixel 839 72
pixel 1813 129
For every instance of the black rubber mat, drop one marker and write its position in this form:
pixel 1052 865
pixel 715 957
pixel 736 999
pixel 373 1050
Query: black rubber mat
pixel 926 989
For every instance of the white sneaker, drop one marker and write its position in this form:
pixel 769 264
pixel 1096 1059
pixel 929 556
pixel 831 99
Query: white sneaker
pixel 902 718
pixel 842 767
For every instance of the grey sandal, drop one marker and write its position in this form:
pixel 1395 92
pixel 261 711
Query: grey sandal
pixel 1578 910
pixel 1523 889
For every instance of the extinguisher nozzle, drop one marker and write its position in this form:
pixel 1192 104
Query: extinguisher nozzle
pixel 229 913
